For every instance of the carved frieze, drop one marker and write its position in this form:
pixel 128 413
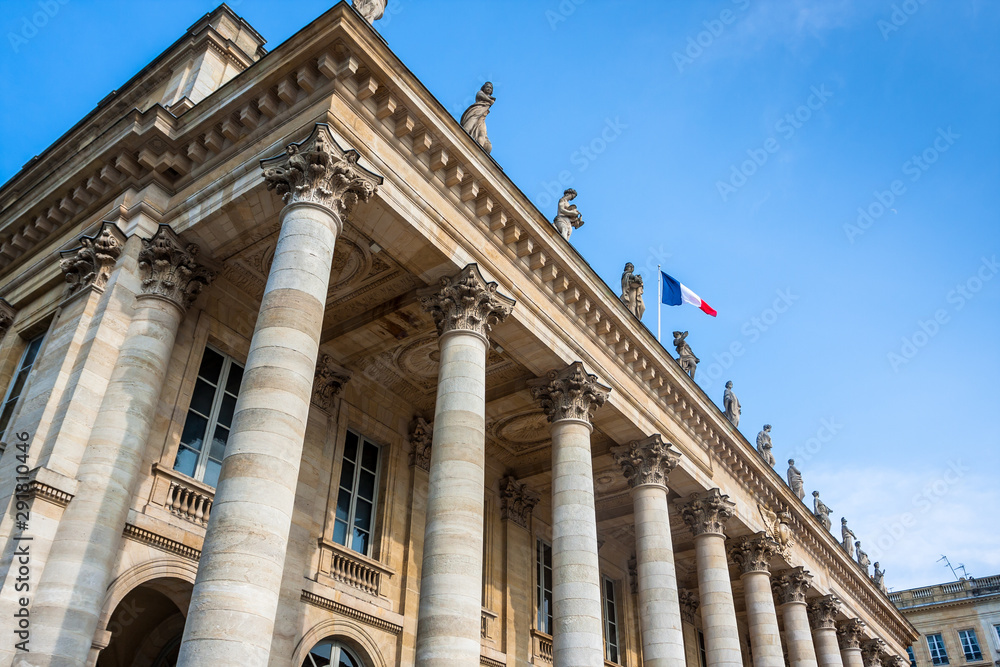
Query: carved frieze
pixel 329 381
pixel 706 513
pixel 466 302
pixel 571 393
pixel 646 461
pixel 421 437
pixel 791 585
pixel 92 262
pixel 169 268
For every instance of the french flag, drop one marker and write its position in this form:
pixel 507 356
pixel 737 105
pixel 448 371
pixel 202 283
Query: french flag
pixel 674 294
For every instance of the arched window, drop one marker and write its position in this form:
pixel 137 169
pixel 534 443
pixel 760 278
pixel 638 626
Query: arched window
pixel 333 653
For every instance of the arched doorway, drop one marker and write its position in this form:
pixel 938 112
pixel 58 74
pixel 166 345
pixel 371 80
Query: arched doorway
pixel 332 653
pixel 147 625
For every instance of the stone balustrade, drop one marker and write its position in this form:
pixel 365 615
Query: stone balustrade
pixel 343 565
pixel 541 646
pixel 182 496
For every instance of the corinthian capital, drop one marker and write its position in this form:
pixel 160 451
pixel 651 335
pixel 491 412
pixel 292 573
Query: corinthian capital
pixel 850 633
pixel 871 652
pixel 466 302
pixel 329 381
pixel 689 604
pixel 571 393
pixel 319 171
pixel 706 513
pixel 92 262
pixel 823 612
pixel 647 461
pixel 7 314
pixel 169 270
pixel 421 437
pixel 791 585
pixel 516 501
pixel 753 553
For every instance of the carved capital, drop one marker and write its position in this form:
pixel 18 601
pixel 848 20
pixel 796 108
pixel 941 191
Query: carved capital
pixel 706 513
pixel 646 461
pixel 753 553
pixel 319 171
pixel 516 502
pixel 169 269
pixel 850 633
pixel 93 261
pixel 329 381
pixel 571 393
pixel 894 661
pixel 823 612
pixel 871 652
pixel 421 436
pixel 466 302
pixel 791 585
pixel 689 604
pixel 7 314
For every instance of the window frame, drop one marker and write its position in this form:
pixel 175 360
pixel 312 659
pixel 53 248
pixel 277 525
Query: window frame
pixel 970 634
pixel 540 589
pixel 702 651
pixel 942 658
pixel 20 368
pixel 336 648
pixel 201 465
pixel 349 534
pixel 911 655
pixel 608 623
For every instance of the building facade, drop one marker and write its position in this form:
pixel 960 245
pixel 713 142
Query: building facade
pixel 295 375
pixel 958 622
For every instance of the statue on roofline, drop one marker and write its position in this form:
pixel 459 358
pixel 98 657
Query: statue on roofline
pixel 632 291
pixel 474 119
pixel 567 217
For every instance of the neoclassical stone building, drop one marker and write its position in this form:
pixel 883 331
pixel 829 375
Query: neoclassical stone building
pixel 295 375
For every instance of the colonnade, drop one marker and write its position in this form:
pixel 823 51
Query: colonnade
pixel 232 612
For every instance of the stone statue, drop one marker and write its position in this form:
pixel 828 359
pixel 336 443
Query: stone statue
pixel 632 291
pixel 795 480
pixel 731 405
pixel 568 217
pixel 863 559
pixel 370 10
pixel 685 356
pixel 848 538
pixel 880 579
pixel 474 119
pixel 821 511
pixel 764 445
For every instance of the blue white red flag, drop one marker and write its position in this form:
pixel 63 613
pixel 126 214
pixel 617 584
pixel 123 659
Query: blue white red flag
pixel 674 294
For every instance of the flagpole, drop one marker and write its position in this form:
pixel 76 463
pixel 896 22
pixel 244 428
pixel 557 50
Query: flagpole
pixel 659 301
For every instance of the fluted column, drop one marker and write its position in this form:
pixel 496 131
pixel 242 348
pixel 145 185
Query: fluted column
pixel 231 617
pixel 569 398
pixel 850 634
pixel 753 553
pixel 72 587
pixel 823 619
pixel 465 308
pixel 872 652
pixel 706 514
pixel 790 589
pixel 646 465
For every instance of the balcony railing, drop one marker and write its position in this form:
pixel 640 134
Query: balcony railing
pixel 182 496
pixel 349 567
pixel 541 646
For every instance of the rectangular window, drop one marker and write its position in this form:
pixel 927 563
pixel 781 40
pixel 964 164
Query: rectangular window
pixel 16 387
pixel 913 658
pixel 939 656
pixel 355 519
pixel 702 653
pixel 996 628
pixel 970 645
pixel 209 418
pixel 610 622
pixel 544 587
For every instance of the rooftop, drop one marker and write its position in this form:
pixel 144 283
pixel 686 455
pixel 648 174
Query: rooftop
pixel 962 589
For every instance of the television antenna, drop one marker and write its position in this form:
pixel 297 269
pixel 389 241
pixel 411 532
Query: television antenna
pixel 950 567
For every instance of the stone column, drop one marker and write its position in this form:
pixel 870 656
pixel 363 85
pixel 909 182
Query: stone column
pixel 465 309
pixel 823 619
pixel 706 514
pixel 872 652
pixel 753 554
pixel 71 591
pixel 516 504
pixel 569 398
pixel 231 617
pixel 689 607
pixel 790 589
pixel 850 634
pixel 646 464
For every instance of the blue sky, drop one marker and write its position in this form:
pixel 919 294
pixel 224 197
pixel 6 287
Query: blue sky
pixel 734 142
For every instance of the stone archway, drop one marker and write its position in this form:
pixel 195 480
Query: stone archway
pixel 146 626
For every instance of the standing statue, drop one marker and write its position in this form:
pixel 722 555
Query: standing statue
pixel 474 119
pixel 795 480
pixel 632 291
pixel 685 356
pixel 731 405
pixel 848 538
pixel 370 10
pixel 568 217
pixel 863 559
pixel 880 579
pixel 821 511
pixel 764 445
